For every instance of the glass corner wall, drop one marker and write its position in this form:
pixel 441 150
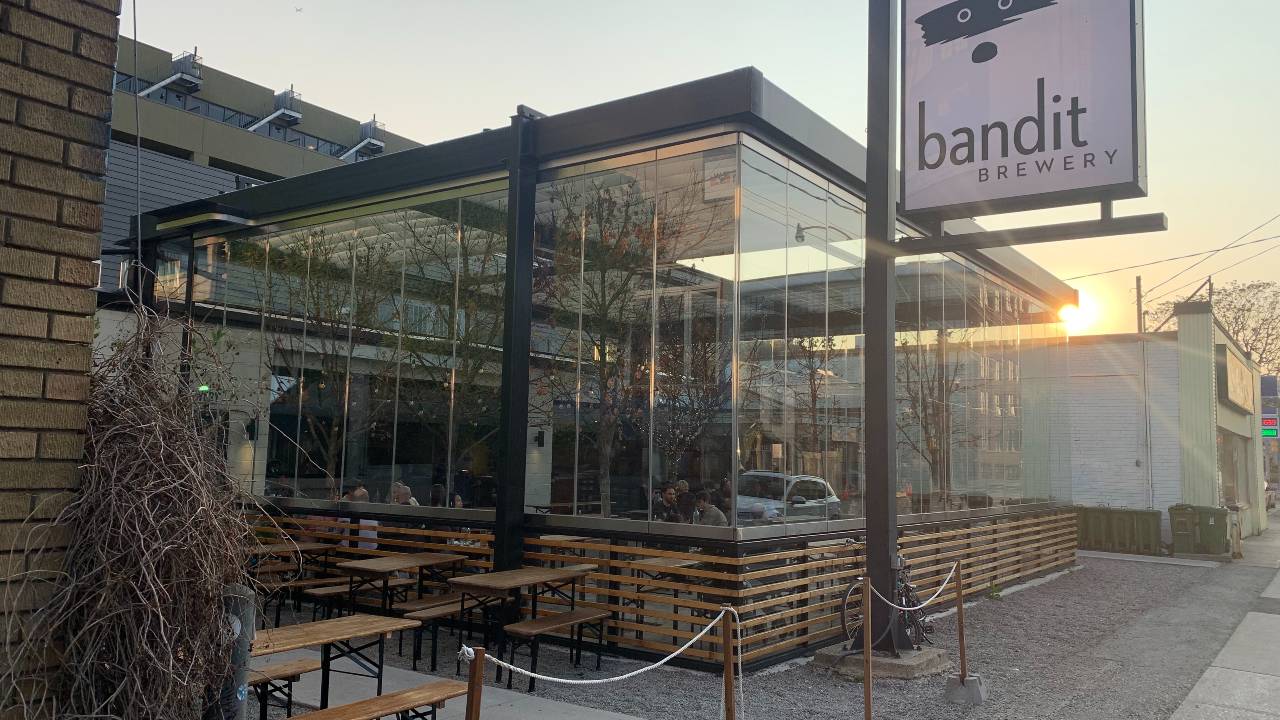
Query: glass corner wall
pixel 366 350
pixel 696 352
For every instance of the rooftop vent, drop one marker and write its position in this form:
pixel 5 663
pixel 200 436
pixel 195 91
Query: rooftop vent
pixel 287 113
pixel 187 68
pixel 185 78
pixel 288 107
pixel 370 142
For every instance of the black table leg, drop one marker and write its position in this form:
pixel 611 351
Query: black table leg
pixel 324 675
pixel 382 642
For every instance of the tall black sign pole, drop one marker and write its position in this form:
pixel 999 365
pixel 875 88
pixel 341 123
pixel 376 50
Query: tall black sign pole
pixel 880 288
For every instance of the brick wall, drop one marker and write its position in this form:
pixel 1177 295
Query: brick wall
pixel 56 60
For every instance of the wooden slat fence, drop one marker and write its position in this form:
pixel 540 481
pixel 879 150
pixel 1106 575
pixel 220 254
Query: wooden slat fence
pixel 787 599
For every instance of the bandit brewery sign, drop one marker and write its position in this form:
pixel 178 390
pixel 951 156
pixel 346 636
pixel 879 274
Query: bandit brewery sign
pixel 1018 104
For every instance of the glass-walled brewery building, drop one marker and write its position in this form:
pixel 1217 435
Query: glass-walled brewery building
pixel 695 350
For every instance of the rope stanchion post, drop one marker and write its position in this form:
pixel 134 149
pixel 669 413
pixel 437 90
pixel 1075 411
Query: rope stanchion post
pixel 475 684
pixel 726 645
pixel 964 689
pixel 964 663
pixel 866 647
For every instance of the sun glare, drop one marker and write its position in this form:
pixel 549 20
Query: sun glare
pixel 1080 318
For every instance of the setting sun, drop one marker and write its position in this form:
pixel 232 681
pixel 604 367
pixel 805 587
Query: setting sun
pixel 1079 319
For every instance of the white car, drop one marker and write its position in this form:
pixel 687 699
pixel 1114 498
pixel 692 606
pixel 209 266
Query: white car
pixel 807 497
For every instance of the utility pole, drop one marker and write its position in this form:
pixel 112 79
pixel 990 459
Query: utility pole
pixel 880 291
pixel 1142 322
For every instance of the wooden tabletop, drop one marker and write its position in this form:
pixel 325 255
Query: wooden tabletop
pixel 283 548
pixel 323 632
pixel 393 563
pixel 435 692
pixel 505 581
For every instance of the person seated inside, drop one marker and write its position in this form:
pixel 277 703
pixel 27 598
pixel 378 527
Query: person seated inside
pixel 666 509
pixel 707 513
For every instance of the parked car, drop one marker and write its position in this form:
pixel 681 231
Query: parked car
pixel 765 496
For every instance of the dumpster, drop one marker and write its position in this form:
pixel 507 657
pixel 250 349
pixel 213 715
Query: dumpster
pixel 1184 527
pixel 1122 528
pixel 1215 530
pixel 1096 532
pixel 1147 531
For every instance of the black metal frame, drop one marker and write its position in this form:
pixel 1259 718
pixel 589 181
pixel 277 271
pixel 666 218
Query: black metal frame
pixel 348 649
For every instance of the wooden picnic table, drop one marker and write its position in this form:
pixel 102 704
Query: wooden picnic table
pixel 335 638
pixel 287 548
pixel 498 594
pixel 377 572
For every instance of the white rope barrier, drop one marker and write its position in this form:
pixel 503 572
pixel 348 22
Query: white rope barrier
pixel 468 654
pixel 924 604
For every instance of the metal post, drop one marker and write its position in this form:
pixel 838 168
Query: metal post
pixel 866 647
pixel 522 168
pixel 1142 323
pixel 964 663
pixel 475 684
pixel 726 649
pixel 880 297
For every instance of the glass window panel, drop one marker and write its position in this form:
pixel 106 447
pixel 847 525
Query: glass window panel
pixel 765 234
pixel 913 403
pixel 324 355
pixel 477 363
pixel 807 349
pixel 377 258
pixel 693 381
pixel 844 398
pixel 556 362
pixel 617 317
pixel 428 308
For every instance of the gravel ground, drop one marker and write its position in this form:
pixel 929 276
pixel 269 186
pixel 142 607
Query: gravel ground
pixel 1113 639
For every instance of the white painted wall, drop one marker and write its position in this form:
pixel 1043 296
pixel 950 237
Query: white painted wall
pixel 1109 457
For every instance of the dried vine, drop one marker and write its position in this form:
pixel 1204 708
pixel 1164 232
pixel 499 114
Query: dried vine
pixel 135 611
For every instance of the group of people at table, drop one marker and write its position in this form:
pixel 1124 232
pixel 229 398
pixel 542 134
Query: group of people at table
pixel 674 502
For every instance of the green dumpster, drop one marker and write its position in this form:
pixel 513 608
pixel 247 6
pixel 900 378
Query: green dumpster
pixel 1214 530
pixel 1184 527
pixel 1096 532
pixel 1147 531
pixel 1122 528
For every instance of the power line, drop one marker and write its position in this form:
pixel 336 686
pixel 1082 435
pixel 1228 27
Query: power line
pixel 1171 259
pixel 1224 247
pixel 1220 270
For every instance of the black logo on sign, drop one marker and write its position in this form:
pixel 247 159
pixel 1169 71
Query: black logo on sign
pixel 970 18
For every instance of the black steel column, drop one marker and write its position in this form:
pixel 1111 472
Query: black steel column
pixel 880 290
pixel 513 423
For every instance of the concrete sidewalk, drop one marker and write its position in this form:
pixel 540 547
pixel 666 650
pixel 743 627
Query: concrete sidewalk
pixel 1243 681
pixel 498 703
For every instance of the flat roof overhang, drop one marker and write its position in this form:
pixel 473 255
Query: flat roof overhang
pixel 741 97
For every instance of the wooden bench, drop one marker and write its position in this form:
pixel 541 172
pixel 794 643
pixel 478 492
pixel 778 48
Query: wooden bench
pixel 432 618
pixel 277 681
pixel 403 703
pixel 332 596
pixel 530 632
pixel 281 591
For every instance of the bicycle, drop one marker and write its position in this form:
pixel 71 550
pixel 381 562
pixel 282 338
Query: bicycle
pixel 913 621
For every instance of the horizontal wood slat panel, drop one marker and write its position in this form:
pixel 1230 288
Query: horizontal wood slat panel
pixel 786 599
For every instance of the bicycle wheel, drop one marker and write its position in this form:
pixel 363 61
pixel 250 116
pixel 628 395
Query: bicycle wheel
pixel 851 615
